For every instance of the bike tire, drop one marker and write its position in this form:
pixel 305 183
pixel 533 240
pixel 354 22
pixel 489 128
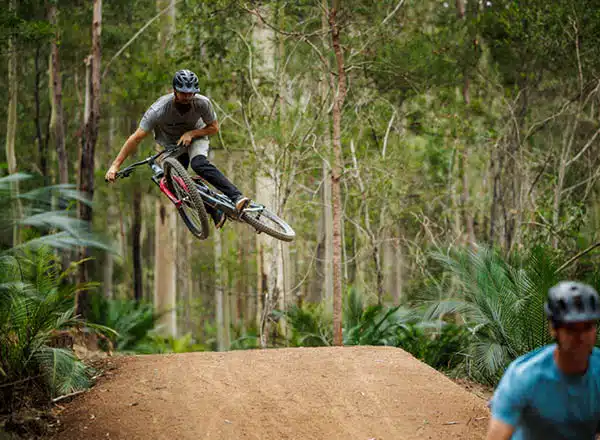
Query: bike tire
pixel 192 210
pixel 267 222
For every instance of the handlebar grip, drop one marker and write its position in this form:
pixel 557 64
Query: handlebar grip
pixel 124 173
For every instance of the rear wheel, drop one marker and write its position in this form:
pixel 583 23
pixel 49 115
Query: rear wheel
pixel 182 186
pixel 263 220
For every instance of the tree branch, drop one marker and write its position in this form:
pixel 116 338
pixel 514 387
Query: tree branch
pixel 578 256
pixel 137 34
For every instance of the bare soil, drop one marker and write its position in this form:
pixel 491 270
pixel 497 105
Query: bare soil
pixel 362 393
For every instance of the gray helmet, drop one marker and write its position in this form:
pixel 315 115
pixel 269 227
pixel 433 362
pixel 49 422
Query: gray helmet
pixel 570 301
pixel 185 81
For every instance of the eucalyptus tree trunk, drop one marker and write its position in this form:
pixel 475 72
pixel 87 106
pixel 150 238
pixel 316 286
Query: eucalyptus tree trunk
pixel 339 90
pixel 373 236
pixel 270 252
pixel 183 266
pixel 328 239
pixel 165 269
pixel 233 287
pixel 393 267
pixel 88 145
pixel 166 236
pixel 167 22
pixel 221 303
pixel 11 124
pixel 136 245
pixel 321 288
pixel 40 141
pixel 465 151
pixel 271 264
pixel 109 262
pixel 222 292
pixel 188 314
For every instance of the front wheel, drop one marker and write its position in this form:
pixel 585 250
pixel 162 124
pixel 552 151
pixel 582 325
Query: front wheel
pixel 263 220
pixel 191 209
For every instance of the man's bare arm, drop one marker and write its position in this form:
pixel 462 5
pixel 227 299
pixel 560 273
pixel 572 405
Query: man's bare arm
pixel 128 148
pixel 207 130
pixel 499 430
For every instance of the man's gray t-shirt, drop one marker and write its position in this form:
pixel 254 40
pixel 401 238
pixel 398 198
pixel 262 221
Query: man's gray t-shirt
pixel 169 125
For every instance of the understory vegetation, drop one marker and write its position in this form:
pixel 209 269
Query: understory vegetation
pixel 437 160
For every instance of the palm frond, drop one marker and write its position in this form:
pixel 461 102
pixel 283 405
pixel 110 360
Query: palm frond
pixel 63 371
pixel 6 181
pixel 64 240
pixel 502 300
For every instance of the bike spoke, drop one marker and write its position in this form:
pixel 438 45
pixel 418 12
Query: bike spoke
pixel 184 197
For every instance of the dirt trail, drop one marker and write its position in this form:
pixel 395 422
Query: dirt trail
pixel 354 393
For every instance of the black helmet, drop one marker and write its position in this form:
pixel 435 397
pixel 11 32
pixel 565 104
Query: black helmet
pixel 570 301
pixel 185 81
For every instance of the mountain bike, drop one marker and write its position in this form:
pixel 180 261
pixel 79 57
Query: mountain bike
pixel 189 194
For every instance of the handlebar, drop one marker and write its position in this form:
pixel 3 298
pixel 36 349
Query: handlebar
pixel 124 173
pixel 127 171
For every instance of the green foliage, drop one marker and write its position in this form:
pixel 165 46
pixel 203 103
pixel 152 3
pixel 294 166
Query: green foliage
pixel 440 346
pixel 310 325
pixel 378 325
pixel 154 343
pixel 134 328
pixel 519 37
pixel 131 320
pixel 34 303
pixel 36 299
pixel 372 324
pixel 248 341
pixel 501 302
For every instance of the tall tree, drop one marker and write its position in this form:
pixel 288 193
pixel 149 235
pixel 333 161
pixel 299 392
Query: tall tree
pixel 339 90
pixel 327 212
pixel 165 255
pixel 464 150
pixel 57 126
pixel 11 124
pixel 136 230
pixel 40 139
pixel 88 145
pixel 221 303
pixel 270 253
pixel 165 268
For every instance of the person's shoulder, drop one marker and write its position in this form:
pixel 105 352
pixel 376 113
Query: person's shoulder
pixel 530 366
pixel 162 102
pixel 201 99
pixel 595 360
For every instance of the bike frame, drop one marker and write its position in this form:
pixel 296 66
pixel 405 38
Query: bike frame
pixel 210 197
pixel 157 176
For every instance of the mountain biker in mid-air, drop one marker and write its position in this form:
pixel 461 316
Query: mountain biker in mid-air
pixel 554 391
pixel 184 118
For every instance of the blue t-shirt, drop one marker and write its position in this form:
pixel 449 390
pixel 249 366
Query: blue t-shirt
pixel 543 403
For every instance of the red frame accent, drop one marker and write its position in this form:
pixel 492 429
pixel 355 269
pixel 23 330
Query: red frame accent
pixel 181 183
pixel 163 187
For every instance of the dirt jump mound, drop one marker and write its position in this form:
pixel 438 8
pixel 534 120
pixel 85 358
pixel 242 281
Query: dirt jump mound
pixel 349 393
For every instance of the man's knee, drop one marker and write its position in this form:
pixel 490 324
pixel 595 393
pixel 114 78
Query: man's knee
pixel 199 163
